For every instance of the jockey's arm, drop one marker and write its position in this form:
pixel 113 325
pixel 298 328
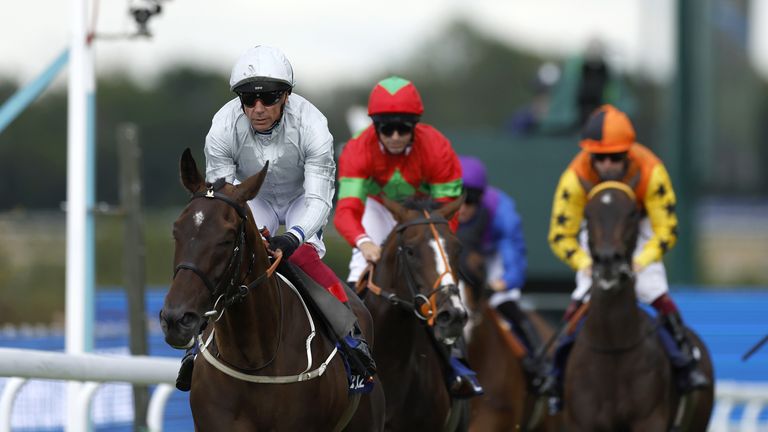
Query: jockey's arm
pixel 659 204
pixel 219 150
pixel 319 179
pixel 567 214
pixel 508 230
pixel 354 185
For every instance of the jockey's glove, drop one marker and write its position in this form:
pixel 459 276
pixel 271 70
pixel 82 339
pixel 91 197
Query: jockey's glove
pixel 286 242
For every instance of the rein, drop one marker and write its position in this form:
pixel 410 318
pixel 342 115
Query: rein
pixel 422 305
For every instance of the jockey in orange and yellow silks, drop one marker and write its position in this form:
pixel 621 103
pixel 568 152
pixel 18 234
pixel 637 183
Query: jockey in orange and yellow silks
pixel 609 152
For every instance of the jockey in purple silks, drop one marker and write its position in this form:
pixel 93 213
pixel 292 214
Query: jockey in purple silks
pixel 490 225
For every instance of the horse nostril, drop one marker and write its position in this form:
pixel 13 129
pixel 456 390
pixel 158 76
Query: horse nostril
pixel 189 319
pixel 444 317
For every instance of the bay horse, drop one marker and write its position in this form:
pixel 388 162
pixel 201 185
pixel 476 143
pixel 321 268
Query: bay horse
pixel 618 376
pixel 264 370
pixel 496 352
pixel 417 312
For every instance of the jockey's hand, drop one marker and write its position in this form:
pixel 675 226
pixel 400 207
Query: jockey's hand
pixel 588 271
pixel 371 251
pixel 637 267
pixel 498 285
pixel 286 242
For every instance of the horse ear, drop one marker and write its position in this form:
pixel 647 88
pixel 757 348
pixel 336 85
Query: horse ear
pixel 250 187
pixel 190 176
pixel 449 209
pixel 397 209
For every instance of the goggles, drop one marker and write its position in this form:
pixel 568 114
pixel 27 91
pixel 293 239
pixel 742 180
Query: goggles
pixel 270 98
pixel 614 157
pixel 387 129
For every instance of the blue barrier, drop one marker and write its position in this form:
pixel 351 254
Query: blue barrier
pixel 729 321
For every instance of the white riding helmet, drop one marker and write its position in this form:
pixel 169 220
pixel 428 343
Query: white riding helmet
pixel 264 65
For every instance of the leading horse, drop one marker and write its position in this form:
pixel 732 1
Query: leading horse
pixel 417 314
pixel 264 370
pixel 618 377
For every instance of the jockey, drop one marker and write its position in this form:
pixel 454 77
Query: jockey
pixel 490 225
pixel 609 152
pixel 396 157
pixel 267 122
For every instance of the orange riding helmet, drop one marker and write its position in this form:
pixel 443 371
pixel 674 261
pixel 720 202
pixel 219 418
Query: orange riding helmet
pixel 607 130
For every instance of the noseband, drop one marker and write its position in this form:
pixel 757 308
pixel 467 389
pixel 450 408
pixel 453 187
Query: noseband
pixel 234 291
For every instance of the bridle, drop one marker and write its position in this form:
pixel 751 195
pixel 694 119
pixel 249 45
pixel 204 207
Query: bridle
pixel 424 306
pixel 235 290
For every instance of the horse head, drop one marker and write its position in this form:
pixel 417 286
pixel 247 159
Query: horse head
pixel 424 252
pixel 214 248
pixel 612 216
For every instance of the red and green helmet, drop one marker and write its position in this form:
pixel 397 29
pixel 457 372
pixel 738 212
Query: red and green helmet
pixel 395 95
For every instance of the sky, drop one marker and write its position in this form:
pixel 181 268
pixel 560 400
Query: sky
pixel 332 41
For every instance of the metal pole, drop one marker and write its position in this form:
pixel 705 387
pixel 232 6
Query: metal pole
pixel 79 283
pixel 134 253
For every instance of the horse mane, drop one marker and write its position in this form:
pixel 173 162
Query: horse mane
pixel 421 203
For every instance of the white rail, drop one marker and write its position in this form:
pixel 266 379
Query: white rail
pixel 91 370
pixel 731 394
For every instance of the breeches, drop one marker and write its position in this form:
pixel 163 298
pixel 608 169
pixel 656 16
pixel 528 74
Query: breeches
pixel 378 223
pixel 650 283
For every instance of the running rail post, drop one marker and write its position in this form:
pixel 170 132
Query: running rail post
pixel 79 284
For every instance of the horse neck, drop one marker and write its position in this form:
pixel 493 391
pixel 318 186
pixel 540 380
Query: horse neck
pixel 614 318
pixel 249 332
pixel 404 330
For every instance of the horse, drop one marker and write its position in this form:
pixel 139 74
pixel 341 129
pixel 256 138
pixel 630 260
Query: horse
pixel 264 370
pixel 618 377
pixel 413 297
pixel 496 353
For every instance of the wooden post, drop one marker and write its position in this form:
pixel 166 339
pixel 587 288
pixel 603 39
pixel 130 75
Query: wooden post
pixel 134 253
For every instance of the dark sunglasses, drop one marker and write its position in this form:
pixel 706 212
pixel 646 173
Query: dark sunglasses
pixel 614 157
pixel 387 129
pixel 267 98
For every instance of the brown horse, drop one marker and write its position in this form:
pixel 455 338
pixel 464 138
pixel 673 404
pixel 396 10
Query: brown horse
pixel 618 377
pixel 263 370
pixel 496 353
pixel 417 314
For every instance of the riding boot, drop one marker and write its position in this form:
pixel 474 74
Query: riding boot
pixel 535 370
pixel 184 379
pixel 690 377
pixel 363 364
pixel 462 381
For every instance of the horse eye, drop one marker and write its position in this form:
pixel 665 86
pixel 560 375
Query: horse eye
pixel 409 251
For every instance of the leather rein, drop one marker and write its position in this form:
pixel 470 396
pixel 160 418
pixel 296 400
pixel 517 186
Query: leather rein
pixel 424 306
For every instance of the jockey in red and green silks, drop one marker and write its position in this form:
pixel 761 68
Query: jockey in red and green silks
pixel 396 157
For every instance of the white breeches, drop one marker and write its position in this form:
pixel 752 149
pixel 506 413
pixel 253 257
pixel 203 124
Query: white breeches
pixel 378 223
pixel 650 283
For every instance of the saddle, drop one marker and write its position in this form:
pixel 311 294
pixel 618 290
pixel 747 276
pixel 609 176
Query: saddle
pixel 337 319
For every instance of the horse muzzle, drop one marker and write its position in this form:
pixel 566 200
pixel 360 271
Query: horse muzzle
pixel 180 328
pixel 451 319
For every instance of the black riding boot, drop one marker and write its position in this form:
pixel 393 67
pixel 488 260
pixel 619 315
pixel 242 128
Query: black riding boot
pixel 363 363
pixel 184 380
pixel 535 370
pixel 690 377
